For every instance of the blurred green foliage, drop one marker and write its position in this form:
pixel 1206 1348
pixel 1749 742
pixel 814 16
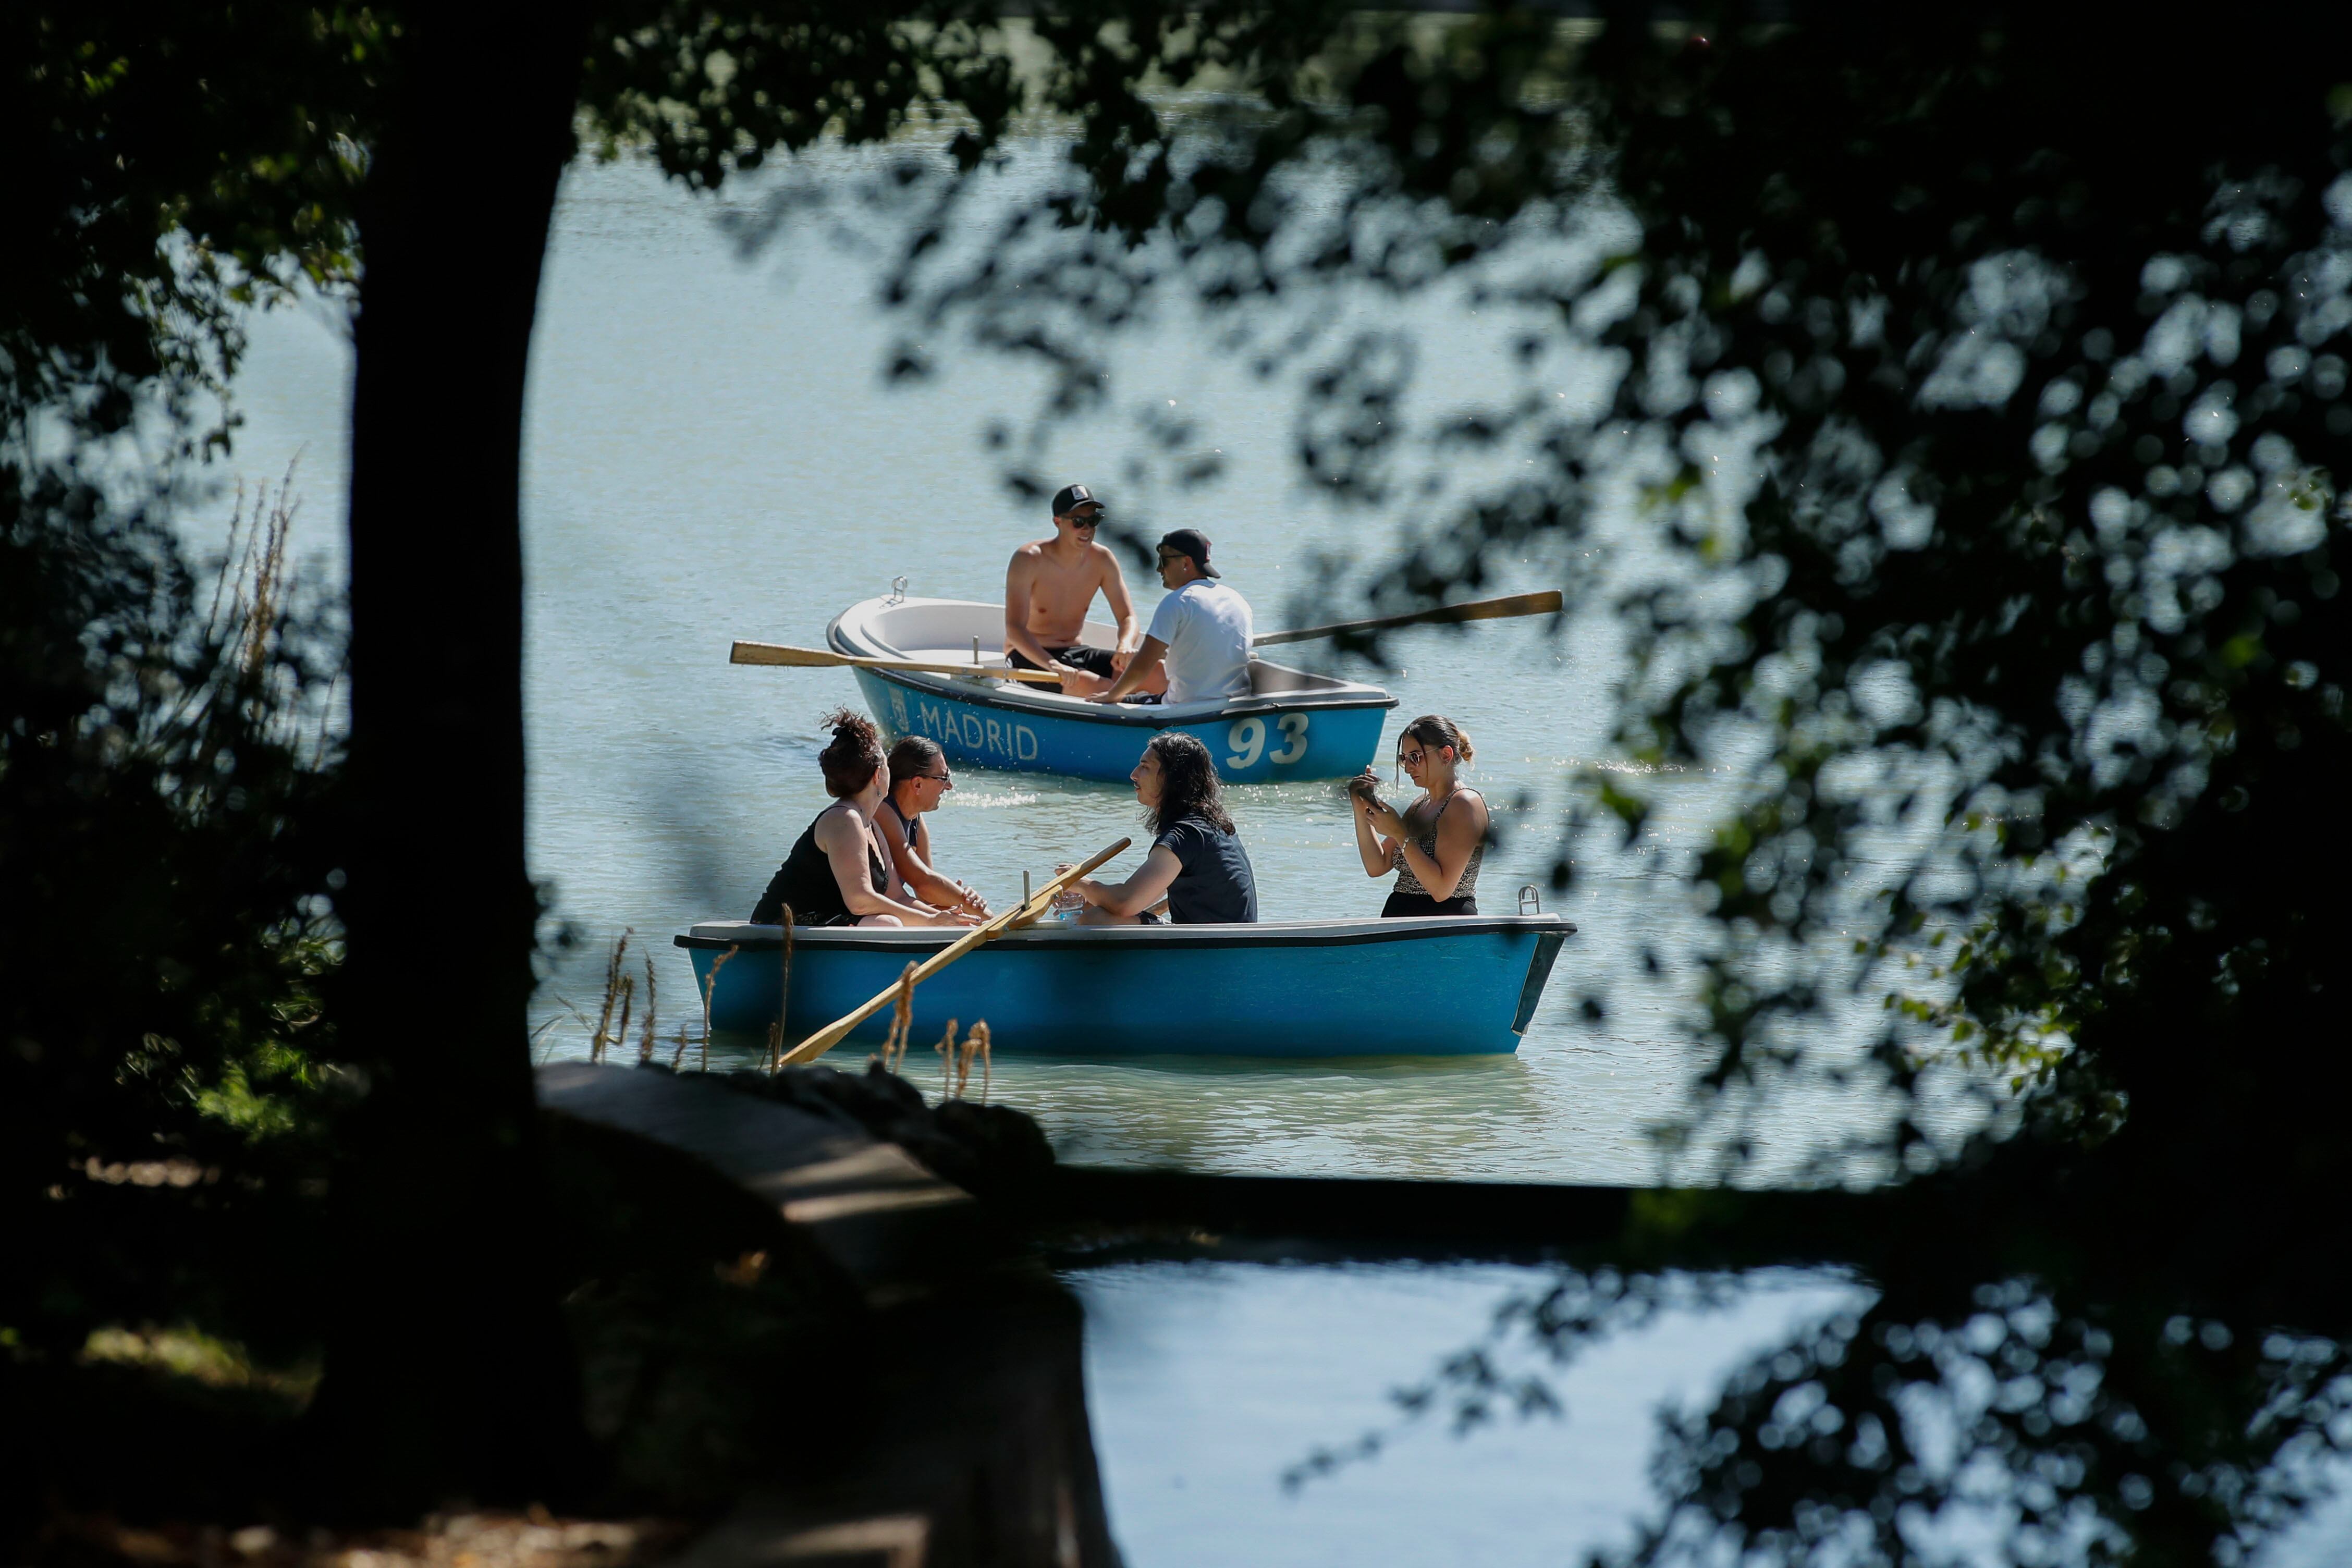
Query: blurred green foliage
pixel 176 165
pixel 1980 371
pixel 2016 619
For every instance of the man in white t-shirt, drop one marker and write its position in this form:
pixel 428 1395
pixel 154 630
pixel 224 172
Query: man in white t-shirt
pixel 1200 631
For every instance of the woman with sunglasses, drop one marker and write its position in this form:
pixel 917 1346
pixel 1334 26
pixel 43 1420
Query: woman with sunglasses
pixel 1435 844
pixel 919 778
pixel 837 874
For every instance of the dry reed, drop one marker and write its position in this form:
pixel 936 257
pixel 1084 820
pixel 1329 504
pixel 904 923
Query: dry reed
pixel 709 987
pixel 628 999
pixel 255 586
pixel 645 1041
pixel 902 1016
pixel 265 569
pixel 946 1045
pixel 955 1062
pixel 613 991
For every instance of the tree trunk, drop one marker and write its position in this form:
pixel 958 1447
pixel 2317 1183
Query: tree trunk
pixel 448 1374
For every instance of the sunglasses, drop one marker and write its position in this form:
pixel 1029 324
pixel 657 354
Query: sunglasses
pixel 933 778
pixel 1093 521
pixel 1414 758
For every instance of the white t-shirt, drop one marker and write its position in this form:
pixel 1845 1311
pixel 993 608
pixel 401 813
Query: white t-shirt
pixel 1207 628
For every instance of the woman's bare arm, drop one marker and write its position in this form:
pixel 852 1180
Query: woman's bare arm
pixel 1378 854
pixel 1458 833
pixel 1139 892
pixel 915 870
pixel 846 836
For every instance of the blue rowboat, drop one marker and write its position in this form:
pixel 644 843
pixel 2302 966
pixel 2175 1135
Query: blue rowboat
pixel 1288 988
pixel 1292 725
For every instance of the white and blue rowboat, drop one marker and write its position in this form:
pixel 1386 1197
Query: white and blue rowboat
pixel 1292 725
pixel 1447 985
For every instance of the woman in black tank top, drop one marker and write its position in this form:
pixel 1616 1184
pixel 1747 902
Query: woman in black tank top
pixel 1436 844
pixel 806 883
pixel 838 873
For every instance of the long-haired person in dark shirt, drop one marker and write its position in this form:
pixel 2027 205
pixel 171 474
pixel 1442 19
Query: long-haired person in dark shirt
pixel 1197 868
pixel 839 872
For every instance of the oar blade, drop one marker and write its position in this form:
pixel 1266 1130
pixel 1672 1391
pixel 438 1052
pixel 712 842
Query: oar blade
pixel 1543 603
pixel 779 653
pixel 771 653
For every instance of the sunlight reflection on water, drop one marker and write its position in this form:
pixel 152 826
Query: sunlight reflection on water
pixel 1204 1381
pixel 711 455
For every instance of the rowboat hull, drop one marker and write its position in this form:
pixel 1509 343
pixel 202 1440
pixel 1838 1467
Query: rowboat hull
pixel 1454 985
pixel 1266 746
pixel 1293 725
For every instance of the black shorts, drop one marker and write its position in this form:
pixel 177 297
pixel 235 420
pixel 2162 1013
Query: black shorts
pixel 1093 660
pixel 1408 906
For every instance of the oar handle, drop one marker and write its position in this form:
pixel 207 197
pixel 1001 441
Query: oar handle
pixel 1510 604
pixel 833 1034
pixel 783 654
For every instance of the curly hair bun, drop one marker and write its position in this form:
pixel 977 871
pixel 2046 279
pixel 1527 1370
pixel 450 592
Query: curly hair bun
pixel 849 762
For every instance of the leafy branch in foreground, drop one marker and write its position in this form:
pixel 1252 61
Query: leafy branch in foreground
pixel 1963 444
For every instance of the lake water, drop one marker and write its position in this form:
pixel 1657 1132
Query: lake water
pixel 711 455
pixel 1206 1381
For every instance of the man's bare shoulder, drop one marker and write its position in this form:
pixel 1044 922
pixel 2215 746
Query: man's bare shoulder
pixel 1105 560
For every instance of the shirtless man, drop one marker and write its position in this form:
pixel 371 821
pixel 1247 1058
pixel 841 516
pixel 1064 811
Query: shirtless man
pixel 1048 591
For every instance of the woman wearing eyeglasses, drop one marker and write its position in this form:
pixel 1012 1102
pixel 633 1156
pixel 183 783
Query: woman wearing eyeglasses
pixel 1435 844
pixel 837 874
pixel 919 778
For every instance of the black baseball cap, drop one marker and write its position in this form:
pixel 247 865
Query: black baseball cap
pixel 1191 541
pixel 1069 498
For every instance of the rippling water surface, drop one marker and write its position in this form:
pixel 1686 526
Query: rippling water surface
pixel 712 454
pixel 1207 1381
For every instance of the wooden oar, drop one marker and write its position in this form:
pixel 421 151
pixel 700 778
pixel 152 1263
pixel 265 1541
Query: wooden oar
pixel 1541 604
pixel 825 658
pixel 1020 914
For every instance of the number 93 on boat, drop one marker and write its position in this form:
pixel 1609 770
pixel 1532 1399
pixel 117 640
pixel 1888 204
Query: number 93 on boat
pixel 1291 724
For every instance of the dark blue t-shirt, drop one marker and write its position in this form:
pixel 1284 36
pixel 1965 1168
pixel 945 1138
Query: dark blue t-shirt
pixel 1215 884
